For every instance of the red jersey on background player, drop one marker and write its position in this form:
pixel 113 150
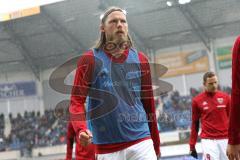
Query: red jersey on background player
pixel 211 109
pixel 81 153
pixel 233 150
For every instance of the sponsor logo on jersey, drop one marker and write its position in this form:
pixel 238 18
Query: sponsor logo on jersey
pixel 205 108
pixel 221 106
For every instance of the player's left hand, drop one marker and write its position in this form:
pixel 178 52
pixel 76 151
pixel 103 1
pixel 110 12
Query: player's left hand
pixel 194 154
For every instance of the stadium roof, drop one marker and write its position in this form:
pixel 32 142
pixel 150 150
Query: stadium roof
pixel 67 28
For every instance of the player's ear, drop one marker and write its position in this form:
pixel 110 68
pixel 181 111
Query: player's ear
pixel 204 82
pixel 102 28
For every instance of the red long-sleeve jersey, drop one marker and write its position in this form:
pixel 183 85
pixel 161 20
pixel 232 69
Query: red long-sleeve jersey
pixel 83 78
pixel 234 124
pixel 81 153
pixel 212 110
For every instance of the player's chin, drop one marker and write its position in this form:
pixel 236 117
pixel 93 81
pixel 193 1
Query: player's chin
pixel 121 36
pixel 215 90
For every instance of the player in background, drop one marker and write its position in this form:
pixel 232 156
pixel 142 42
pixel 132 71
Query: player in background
pixel 210 109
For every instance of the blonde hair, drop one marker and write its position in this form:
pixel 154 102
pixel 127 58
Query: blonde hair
pixel 102 40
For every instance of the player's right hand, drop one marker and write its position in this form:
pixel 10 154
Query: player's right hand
pixel 233 152
pixel 193 153
pixel 85 137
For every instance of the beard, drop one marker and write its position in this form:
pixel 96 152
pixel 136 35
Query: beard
pixel 117 38
pixel 211 89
